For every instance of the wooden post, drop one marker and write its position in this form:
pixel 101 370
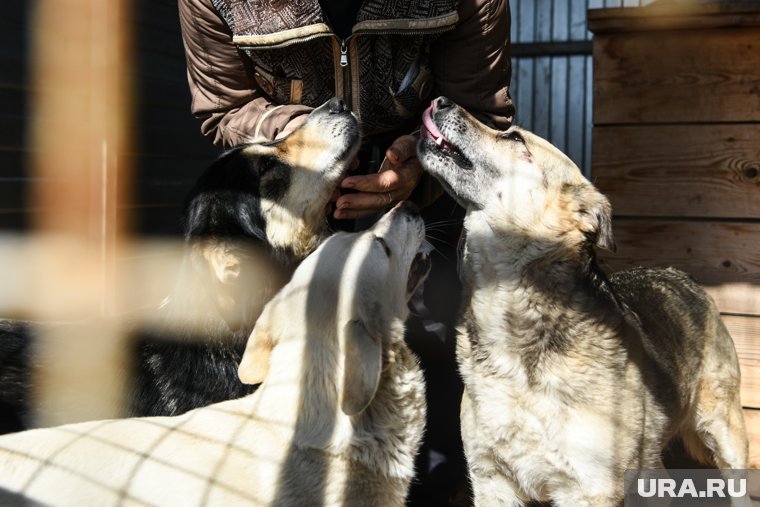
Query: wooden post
pixel 80 129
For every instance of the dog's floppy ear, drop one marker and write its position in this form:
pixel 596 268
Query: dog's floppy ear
pixel 362 364
pixel 595 217
pixel 254 365
pixel 219 257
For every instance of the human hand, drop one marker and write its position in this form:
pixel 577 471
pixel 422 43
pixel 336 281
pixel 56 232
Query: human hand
pixel 394 182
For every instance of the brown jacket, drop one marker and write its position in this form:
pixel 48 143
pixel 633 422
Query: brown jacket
pixel 253 65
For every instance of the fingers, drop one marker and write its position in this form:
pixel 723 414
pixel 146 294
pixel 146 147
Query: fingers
pixel 378 191
pixel 394 182
pixel 378 182
pixel 363 204
pixel 402 149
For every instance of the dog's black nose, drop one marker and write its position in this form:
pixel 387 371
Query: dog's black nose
pixel 442 103
pixel 409 207
pixel 336 105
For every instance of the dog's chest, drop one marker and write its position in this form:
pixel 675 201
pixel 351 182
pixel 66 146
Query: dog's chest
pixel 539 419
pixel 533 434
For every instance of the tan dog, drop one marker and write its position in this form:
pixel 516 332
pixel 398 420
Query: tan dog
pixel 337 422
pixel 570 378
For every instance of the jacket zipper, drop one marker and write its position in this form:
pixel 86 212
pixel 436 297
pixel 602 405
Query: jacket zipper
pixel 343 54
pixel 348 91
pixel 344 61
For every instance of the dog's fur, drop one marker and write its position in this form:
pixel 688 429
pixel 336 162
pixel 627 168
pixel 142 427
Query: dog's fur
pixel 251 216
pixel 570 378
pixel 337 422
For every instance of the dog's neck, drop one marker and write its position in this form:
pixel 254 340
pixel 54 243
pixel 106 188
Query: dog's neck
pixel 301 398
pixel 528 300
pixel 307 239
pixel 392 425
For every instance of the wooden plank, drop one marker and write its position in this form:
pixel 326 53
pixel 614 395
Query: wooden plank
pixel 14 64
pixel 162 15
pixel 543 16
pixel 11 221
pixel 15 13
pixel 576 88
pixel 560 20
pixel 514 27
pixel 175 138
pixel 150 271
pixel 13 163
pixel 716 254
pixel 527 22
pixel 673 16
pixel 525 90
pixel 595 4
pixel 84 80
pixel 589 114
pixel 14 71
pixel 736 295
pixel 153 93
pixel 679 76
pixel 157 221
pixel 577 20
pixel 562 48
pixel 746 334
pixel 558 118
pixel 162 65
pixel 541 96
pixel 12 131
pixel 13 194
pixel 13 101
pixel 752 423
pixel 160 191
pixel 681 170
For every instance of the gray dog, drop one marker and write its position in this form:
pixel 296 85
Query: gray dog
pixel 570 378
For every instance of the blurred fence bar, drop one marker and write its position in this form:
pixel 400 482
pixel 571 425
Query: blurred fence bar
pixel 80 127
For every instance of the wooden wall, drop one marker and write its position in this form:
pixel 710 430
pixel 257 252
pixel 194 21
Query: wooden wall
pixel 551 84
pixel 677 151
pixel 552 71
pixel 167 151
pixel 13 110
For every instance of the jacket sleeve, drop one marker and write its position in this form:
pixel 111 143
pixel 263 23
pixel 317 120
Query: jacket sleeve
pixel 225 96
pixel 471 64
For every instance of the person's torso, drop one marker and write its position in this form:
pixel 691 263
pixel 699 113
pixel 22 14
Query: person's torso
pixel 381 69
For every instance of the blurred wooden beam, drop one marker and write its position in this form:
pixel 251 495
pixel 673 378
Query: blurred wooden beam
pixel 80 129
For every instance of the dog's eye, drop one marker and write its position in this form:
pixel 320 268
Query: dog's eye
pixel 513 135
pixel 385 246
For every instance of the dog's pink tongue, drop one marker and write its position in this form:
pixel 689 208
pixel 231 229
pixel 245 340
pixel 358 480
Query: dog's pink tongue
pixel 427 122
pixel 429 129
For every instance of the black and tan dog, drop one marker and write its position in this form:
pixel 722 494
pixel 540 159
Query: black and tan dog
pixel 250 218
pixel 570 377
